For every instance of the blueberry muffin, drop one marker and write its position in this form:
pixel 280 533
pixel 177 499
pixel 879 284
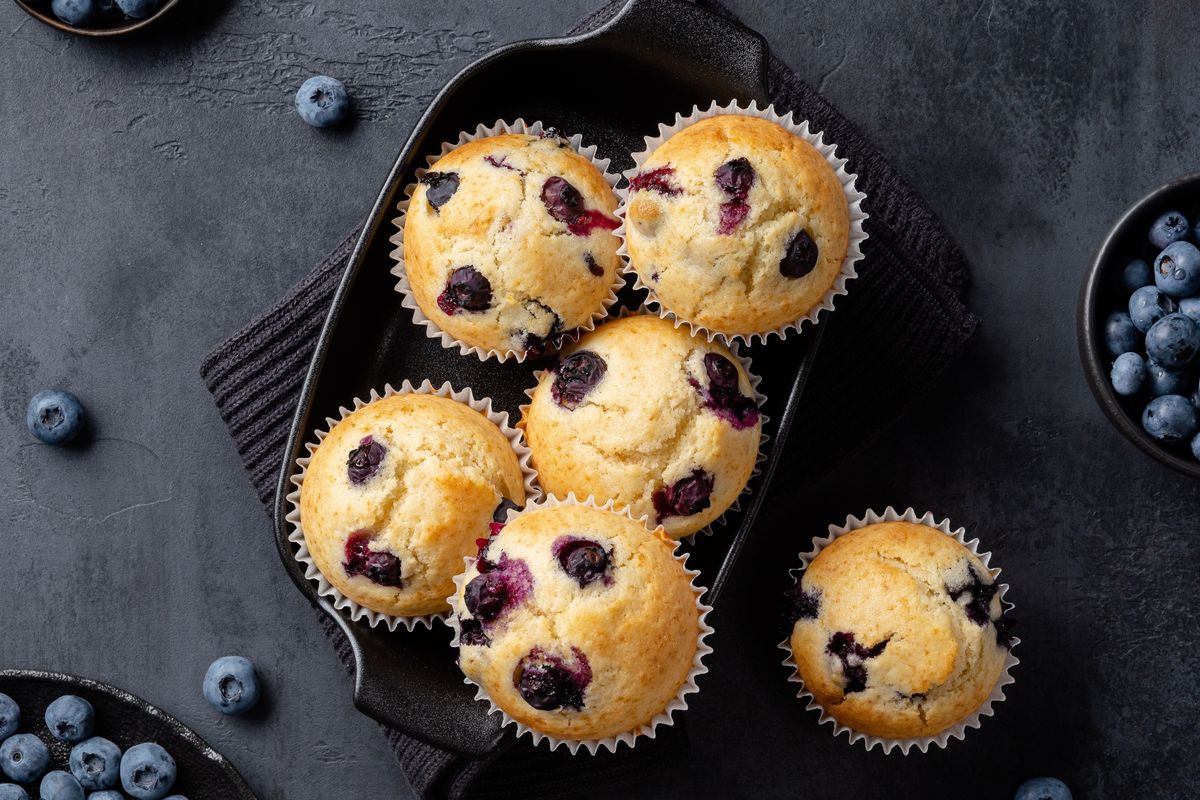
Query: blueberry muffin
pixel 899 630
pixel 578 622
pixel 737 225
pixel 509 244
pixel 398 493
pixel 650 416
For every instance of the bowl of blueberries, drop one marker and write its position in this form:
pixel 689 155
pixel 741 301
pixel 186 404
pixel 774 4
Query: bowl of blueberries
pixel 97 17
pixel 1139 324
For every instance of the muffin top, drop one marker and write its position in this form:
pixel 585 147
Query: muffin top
pixel 578 622
pixel 508 242
pixel 396 495
pixel 899 630
pixel 651 416
pixel 737 225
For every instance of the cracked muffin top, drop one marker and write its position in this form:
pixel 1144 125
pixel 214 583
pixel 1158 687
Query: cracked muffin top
pixel 578 622
pixel 899 630
pixel 508 242
pixel 737 225
pixel 650 416
pixel 396 495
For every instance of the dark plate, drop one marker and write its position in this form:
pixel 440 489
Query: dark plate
pixel 204 774
pixel 40 10
pixel 613 86
pixel 1103 294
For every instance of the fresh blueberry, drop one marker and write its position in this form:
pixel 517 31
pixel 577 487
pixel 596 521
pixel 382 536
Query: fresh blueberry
pixel 54 416
pixel 1196 446
pixel 685 497
pixel 575 376
pixel 1162 380
pixel 467 289
pixel 1043 789
pixel 147 772
pixel 231 685
pixel 583 559
pixel 1170 418
pixel 1177 269
pixel 1148 305
pixel 321 101
pixel 107 794
pixel 10 716
pixel 1120 335
pixel 23 757
pixel 1191 307
pixel 439 188
pixel 377 566
pixel 364 460
pixel 1170 227
pixel 547 682
pixel 139 9
pixel 96 763
pixel 74 12
pixel 800 256
pixel 1173 341
pixel 70 718
pixel 1128 374
pixel 1136 275
pixel 59 785
pixel 10 791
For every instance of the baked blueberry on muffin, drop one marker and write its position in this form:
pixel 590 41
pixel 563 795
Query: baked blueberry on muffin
pixel 737 225
pixel 578 622
pixel 396 495
pixel 650 416
pixel 899 630
pixel 508 242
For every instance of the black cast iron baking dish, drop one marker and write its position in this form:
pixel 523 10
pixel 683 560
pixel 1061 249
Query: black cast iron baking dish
pixel 1102 294
pixel 204 774
pixel 613 86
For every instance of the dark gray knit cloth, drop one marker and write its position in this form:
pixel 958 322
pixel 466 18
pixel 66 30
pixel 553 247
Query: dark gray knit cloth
pixel 902 324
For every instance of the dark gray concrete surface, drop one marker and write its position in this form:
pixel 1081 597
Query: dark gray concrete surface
pixel 155 194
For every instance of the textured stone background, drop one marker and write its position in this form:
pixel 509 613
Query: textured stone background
pixel 156 193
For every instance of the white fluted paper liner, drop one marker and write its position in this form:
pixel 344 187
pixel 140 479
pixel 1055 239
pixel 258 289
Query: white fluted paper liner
pixel 759 400
pixel 921 743
pixel 664 718
pixel 405 288
pixel 801 128
pixel 357 611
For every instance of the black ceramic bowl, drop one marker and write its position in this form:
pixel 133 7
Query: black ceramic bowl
pixel 40 10
pixel 126 720
pixel 1102 294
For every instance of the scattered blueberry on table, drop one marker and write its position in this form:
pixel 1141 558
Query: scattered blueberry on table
pixel 1043 789
pixel 322 101
pixel 1155 340
pixel 23 758
pixel 54 416
pixel 231 685
pixel 147 772
pixel 59 785
pixel 70 718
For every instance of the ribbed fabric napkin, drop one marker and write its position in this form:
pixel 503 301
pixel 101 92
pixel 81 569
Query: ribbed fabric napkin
pixel 901 325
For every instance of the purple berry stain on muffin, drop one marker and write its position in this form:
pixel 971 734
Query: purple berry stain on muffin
pixel 656 180
pixel 378 567
pixel 471 633
pixel 467 290
pixel 853 657
pixel 564 203
pixel 734 178
pixel 575 376
pixel 685 497
pixel 548 682
pixel 538 346
pixel 585 560
pixel 975 598
pixel 500 163
pixel 592 266
pixel 364 460
pixel 800 257
pixel 439 188
pixel 802 604
pixel 723 396
pixel 499 586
